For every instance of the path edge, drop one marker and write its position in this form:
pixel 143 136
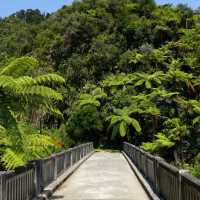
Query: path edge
pixel 50 189
pixel 142 180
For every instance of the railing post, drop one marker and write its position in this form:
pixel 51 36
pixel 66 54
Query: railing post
pixel 81 150
pixel 87 149
pixel 72 152
pixel 35 178
pixel 157 173
pixel 3 194
pixel 90 147
pixel 145 165
pixel 181 172
pixel 84 151
pixel 55 167
pixel 79 153
pixel 39 176
pixel 65 160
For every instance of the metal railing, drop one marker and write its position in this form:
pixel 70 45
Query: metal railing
pixel 166 180
pixel 27 182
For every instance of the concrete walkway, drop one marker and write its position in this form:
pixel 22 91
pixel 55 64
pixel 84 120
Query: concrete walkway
pixel 104 176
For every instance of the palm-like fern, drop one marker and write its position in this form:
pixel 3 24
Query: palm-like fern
pixel 119 80
pixel 161 141
pixel 121 120
pixel 148 79
pixel 142 104
pixel 171 135
pixel 18 91
pixel 192 107
pixel 93 98
pixel 176 74
pixel 25 90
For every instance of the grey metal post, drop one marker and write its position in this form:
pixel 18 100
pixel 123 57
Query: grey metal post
pixel 36 179
pixel 180 183
pixel 84 150
pixel 71 157
pixel 55 166
pixel 65 160
pixel 145 165
pixel 39 176
pixel 81 152
pixel 157 175
pixel 3 194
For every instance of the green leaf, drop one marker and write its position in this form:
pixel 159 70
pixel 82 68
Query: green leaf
pixel 138 83
pixel 196 120
pixel 127 119
pixel 114 120
pixel 123 128
pixel 148 84
pixel 136 125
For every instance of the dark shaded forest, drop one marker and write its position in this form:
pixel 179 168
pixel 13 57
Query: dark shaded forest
pixel 105 71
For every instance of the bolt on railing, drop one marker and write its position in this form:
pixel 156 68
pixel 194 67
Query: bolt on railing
pixel 167 181
pixel 27 182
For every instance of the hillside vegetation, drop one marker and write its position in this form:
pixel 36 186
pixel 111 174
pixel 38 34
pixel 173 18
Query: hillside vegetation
pixel 131 72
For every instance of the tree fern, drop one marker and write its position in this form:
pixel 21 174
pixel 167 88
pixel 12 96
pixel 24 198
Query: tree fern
pixel 148 79
pixel 121 120
pixel 20 91
pixel 92 98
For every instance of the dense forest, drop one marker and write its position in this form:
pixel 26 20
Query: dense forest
pixel 105 71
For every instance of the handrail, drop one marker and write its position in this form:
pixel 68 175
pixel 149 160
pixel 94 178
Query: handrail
pixel 167 181
pixel 29 181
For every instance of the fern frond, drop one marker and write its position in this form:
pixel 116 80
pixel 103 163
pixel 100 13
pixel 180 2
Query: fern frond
pixel 49 78
pixel 11 159
pixel 122 129
pixel 25 81
pixel 20 66
pixel 7 82
pixel 42 91
pixel 89 102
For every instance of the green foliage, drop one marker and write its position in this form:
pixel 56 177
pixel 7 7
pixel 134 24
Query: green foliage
pixel 142 63
pixel 122 120
pixel 22 144
pixel 148 79
pixel 20 66
pixel 161 141
pixel 19 92
pixel 92 98
pixel 85 124
pixel 196 169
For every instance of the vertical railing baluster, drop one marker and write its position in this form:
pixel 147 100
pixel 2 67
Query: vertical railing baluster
pixel 2 185
pixel 55 166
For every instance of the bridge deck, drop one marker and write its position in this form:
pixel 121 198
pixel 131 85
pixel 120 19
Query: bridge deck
pixel 104 176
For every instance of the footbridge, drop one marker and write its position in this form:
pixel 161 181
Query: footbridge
pixel 81 173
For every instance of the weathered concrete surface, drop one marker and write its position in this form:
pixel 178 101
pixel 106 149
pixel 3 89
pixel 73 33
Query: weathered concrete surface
pixel 104 176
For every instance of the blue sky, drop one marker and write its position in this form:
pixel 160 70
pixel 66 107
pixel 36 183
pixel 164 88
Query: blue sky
pixel 8 7
pixel 191 3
